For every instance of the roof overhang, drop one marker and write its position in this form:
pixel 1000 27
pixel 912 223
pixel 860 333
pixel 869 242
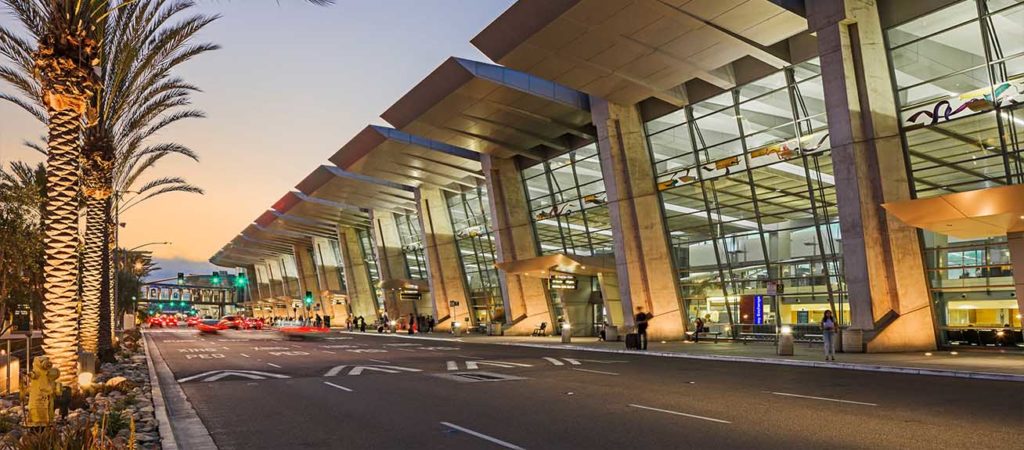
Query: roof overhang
pixel 389 154
pixel 362 191
pixel 494 110
pixel 966 215
pixel 627 52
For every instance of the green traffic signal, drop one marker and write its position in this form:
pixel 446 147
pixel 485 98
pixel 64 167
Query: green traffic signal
pixel 215 278
pixel 241 280
pixel 309 298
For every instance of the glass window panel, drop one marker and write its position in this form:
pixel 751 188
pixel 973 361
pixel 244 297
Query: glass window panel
pixel 951 51
pixel 932 23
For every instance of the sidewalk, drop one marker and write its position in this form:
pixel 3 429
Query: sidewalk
pixel 992 365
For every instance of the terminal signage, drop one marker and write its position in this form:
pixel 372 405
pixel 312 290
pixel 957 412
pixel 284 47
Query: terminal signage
pixel 563 282
pixel 758 309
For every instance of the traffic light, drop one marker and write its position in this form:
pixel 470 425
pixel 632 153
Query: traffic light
pixel 215 279
pixel 181 278
pixel 241 280
pixel 309 298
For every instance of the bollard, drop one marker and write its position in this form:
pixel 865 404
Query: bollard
pixel 566 333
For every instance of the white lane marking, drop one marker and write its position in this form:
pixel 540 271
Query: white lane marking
pixel 692 416
pixel 474 365
pixel 452 365
pixel 215 375
pixel 482 436
pixel 243 354
pixel 784 394
pixel 554 361
pixel 275 365
pixel 358 370
pixel 339 387
pixel 328 351
pixel 572 361
pixel 595 371
pixel 334 371
pixel 380 361
pixel 404 350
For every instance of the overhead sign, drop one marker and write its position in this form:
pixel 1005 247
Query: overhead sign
pixel 563 282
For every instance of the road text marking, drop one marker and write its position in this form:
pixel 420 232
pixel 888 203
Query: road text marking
pixel 336 386
pixel 692 416
pixel 825 399
pixel 482 436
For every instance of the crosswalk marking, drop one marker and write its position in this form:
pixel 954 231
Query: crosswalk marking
pixel 554 361
pixel 452 365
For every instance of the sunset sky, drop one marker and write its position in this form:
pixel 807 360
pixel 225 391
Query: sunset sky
pixel 291 85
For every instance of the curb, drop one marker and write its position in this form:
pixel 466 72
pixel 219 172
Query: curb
pixel 163 424
pixel 749 359
pixel 186 430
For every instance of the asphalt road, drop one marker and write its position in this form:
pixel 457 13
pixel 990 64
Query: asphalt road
pixel 255 390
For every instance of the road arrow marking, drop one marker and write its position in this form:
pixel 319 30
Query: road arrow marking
pixel 473 365
pixel 334 371
pixel 358 370
pixel 215 375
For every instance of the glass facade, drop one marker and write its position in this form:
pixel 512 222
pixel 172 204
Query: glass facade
pixel 475 240
pixel 959 79
pixel 748 192
pixel 412 246
pixel 336 251
pixel 370 259
pixel 568 204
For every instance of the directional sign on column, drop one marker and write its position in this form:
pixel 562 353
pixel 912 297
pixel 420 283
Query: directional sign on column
pixel 358 370
pixel 215 375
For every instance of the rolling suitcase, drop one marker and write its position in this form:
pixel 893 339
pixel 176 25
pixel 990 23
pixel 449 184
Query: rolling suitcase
pixel 632 341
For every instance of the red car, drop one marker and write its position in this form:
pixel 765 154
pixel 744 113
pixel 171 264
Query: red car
pixel 192 321
pixel 253 323
pixel 170 321
pixel 233 322
pixel 210 326
pixel 155 322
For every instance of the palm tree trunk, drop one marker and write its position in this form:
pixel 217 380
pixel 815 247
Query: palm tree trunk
pixel 92 272
pixel 60 266
pixel 107 310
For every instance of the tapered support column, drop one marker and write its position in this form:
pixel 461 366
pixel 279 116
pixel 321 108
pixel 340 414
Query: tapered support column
pixel 390 261
pixel 882 257
pixel 643 258
pixel 1016 244
pixel 357 277
pixel 447 278
pixel 527 301
pixel 307 278
pixel 329 275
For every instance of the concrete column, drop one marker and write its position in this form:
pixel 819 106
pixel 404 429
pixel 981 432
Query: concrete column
pixel 527 301
pixel 307 278
pixel 390 261
pixel 643 257
pixel 357 277
pixel 612 301
pixel 447 276
pixel 883 262
pixel 330 283
pixel 1016 243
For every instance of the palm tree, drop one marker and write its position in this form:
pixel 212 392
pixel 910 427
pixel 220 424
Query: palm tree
pixel 22 190
pixel 138 98
pixel 63 52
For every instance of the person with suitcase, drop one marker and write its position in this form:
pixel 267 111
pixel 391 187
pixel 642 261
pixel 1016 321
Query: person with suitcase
pixel 641 327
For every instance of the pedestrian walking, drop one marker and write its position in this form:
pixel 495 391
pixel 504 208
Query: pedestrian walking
pixel 348 323
pixel 412 324
pixel 641 326
pixel 327 321
pixel 430 324
pixel 828 334
pixel 362 324
pixel 319 321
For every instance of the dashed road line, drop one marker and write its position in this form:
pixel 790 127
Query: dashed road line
pixel 380 361
pixel 595 371
pixel 328 351
pixel 692 416
pixel 784 394
pixel 275 365
pixel 337 386
pixel 485 437
pixel 243 354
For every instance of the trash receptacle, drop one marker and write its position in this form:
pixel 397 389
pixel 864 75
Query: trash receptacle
pixel 785 344
pixel 494 329
pixel 611 333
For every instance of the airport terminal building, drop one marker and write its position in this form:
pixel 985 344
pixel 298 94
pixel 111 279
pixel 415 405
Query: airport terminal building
pixel 749 162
